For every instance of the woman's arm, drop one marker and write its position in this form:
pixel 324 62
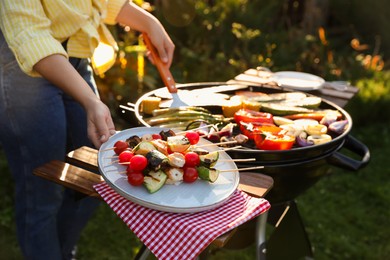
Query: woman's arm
pixel 57 69
pixel 140 20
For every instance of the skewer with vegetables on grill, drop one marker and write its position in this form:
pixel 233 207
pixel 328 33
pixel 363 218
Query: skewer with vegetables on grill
pixel 168 158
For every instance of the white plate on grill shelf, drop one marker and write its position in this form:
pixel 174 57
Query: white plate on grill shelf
pixel 183 198
pixel 298 80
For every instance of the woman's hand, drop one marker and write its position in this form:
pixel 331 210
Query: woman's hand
pixel 100 124
pixel 163 44
pixel 142 21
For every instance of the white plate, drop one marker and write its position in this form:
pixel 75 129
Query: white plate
pixel 182 198
pixel 298 80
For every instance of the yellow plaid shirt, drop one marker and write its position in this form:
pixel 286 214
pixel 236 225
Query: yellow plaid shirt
pixel 34 29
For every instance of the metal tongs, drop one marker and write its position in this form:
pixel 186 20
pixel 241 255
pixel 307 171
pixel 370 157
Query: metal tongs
pixel 165 74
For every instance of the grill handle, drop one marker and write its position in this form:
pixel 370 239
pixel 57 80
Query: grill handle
pixel 343 161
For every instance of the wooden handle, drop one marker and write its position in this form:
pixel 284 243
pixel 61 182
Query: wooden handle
pixel 162 68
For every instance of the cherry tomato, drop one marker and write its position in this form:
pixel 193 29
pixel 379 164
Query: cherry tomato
pixel 192 159
pixel 138 162
pixel 120 146
pixel 190 174
pixel 125 156
pixel 193 137
pixel 156 136
pixel 135 178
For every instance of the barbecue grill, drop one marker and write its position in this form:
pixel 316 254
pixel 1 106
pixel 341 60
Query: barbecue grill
pixel 294 171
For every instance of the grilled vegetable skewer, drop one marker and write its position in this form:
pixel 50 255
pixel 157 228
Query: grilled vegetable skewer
pixel 171 161
pixel 212 174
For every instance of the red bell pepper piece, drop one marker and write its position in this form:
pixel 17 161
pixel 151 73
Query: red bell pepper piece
pixel 248 129
pixel 251 116
pixel 273 141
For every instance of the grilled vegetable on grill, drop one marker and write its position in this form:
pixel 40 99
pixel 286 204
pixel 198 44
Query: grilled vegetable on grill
pixel 282 110
pixel 316 115
pixel 179 118
pixel 307 102
pixel 278 120
pixel 316 129
pixel 273 141
pixel 268 98
pixel 183 116
pixel 319 139
pixel 171 110
pixel 338 127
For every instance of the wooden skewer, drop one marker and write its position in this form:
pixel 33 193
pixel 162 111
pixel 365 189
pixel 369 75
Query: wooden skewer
pixel 108 149
pixel 111 157
pixel 193 129
pixel 231 148
pixel 243 169
pixel 237 160
pixel 116 161
pixel 228 142
pixel 112 148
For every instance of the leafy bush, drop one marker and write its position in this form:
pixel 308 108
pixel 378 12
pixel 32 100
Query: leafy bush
pixel 372 101
pixel 217 40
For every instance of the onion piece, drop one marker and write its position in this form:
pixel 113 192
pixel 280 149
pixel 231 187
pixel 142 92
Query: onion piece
pixel 338 127
pixel 292 129
pixel 302 141
pixel 278 120
pixel 304 122
pixel 316 129
pixel 329 118
pixel 319 139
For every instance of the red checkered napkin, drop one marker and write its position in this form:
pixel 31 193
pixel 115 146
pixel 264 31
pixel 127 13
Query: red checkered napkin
pixel 182 235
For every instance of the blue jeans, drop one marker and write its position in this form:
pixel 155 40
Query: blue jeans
pixel 40 123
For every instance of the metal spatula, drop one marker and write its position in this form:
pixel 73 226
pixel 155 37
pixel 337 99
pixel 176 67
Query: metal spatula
pixel 165 74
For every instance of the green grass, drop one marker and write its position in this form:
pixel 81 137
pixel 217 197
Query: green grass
pixel 347 214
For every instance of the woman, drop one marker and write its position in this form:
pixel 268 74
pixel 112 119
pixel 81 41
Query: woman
pixel 49 105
